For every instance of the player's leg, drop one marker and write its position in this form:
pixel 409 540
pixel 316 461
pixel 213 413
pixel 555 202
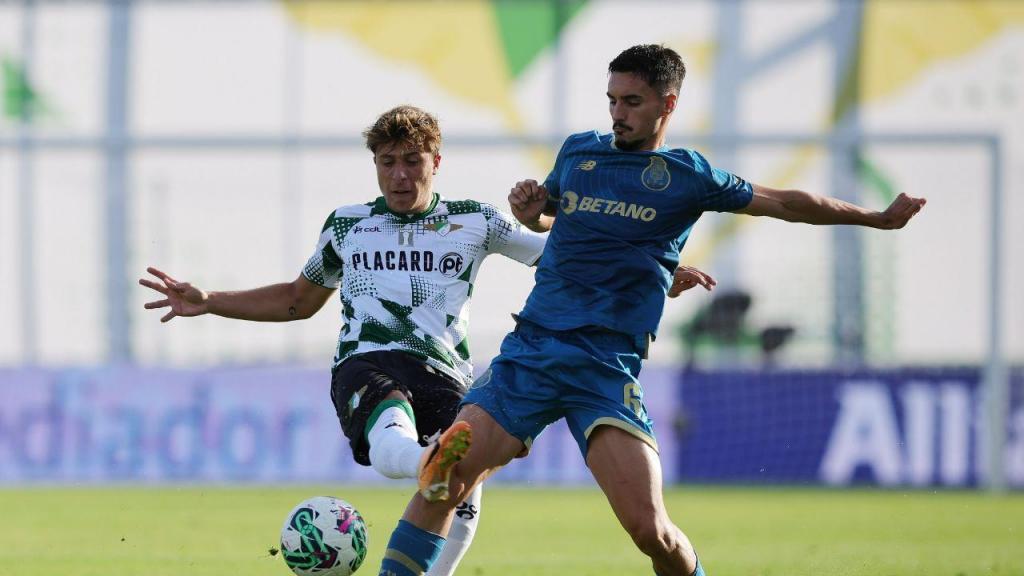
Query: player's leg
pixel 403 401
pixel 365 397
pixel 508 406
pixel 373 406
pixel 396 453
pixel 389 403
pixel 629 472
pixel 417 541
pixel 437 398
pixel 460 534
pixel 420 401
pixel 606 414
pixel 391 432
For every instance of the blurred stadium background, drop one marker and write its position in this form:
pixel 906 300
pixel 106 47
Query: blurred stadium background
pixel 211 139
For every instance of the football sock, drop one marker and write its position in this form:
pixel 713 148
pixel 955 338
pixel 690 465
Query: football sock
pixel 410 552
pixel 460 535
pixel 699 570
pixel 391 431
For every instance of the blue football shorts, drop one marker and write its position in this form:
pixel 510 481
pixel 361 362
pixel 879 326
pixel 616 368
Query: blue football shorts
pixel 587 376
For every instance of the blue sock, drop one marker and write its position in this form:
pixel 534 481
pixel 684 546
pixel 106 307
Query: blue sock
pixel 411 551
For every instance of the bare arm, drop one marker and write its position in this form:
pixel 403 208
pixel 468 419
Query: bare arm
pixel 799 206
pixel 529 202
pixel 282 302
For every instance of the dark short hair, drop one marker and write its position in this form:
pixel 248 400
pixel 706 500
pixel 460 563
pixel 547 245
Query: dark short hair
pixel 407 124
pixel 662 68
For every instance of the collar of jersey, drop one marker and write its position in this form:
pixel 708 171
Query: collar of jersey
pixel 380 206
pixel 611 143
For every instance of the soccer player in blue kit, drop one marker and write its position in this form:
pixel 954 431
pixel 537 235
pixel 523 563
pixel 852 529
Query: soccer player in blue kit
pixel 619 206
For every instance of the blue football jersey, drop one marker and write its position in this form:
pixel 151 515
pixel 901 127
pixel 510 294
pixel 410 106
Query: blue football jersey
pixel 622 219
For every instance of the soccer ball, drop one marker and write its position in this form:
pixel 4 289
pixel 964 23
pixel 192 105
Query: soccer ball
pixel 323 536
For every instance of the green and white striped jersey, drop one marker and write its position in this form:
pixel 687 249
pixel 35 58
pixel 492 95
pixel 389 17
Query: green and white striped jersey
pixel 406 280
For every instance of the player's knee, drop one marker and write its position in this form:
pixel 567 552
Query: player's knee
pixel 654 538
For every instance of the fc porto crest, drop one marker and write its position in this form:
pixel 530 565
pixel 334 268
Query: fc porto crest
pixel 656 176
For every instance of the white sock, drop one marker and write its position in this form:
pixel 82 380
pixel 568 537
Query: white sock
pixel 394 451
pixel 460 536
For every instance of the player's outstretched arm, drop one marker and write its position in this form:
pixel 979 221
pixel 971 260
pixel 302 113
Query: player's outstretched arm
pixel 686 277
pixel 294 300
pixel 528 201
pixel 799 206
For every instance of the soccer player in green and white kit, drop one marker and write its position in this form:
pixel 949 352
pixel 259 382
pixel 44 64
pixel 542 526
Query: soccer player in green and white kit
pixel 406 264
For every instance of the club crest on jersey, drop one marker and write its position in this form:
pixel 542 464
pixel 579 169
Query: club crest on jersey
pixel 656 176
pixel 443 227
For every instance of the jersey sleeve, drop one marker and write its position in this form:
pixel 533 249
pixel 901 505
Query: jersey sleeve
pixel 324 267
pixel 723 191
pixel 506 236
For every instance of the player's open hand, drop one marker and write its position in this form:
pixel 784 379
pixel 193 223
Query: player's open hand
pixel 902 209
pixel 528 199
pixel 183 298
pixel 686 277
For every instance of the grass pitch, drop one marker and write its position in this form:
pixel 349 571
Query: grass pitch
pixel 207 531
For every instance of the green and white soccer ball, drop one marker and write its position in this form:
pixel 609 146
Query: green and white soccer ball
pixel 323 536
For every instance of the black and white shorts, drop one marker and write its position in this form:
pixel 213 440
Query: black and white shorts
pixel 362 382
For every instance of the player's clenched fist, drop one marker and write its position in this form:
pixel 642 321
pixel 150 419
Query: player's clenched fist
pixel 528 199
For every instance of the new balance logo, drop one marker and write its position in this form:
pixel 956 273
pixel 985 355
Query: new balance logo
pixel 587 165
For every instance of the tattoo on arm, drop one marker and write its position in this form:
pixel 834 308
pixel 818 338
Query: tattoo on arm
pixel 292 311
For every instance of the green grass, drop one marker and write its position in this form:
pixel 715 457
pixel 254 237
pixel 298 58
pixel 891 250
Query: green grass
pixel 200 531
